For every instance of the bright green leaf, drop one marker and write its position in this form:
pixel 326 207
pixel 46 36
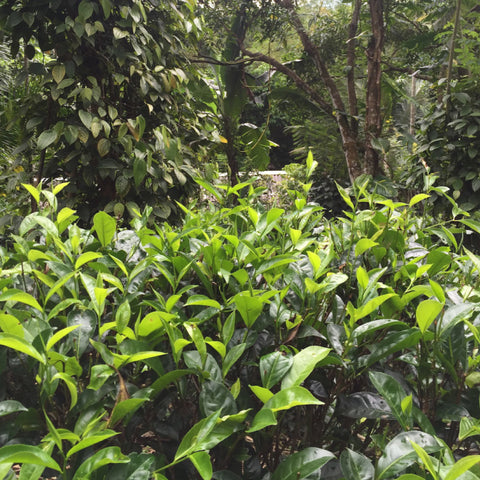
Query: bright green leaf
pixel 461 466
pixel 363 245
pixel 124 408
pixel 91 439
pixel 262 393
pixel 427 311
pixel 21 345
pixel 303 364
pixel 105 227
pixel 85 258
pixel 201 461
pixel 33 191
pixel 58 336
pixel 105 456
pixel 19 453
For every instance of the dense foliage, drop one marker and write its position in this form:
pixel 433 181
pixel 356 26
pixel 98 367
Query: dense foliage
pixel 254 343
pixel 111 110
pixel 448 132
pixel 323 333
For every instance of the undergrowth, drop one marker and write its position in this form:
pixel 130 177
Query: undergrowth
pixel 249 343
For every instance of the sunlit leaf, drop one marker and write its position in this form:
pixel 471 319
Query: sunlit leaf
pixel 427 311
pixel 90 440
pixel 21 345
pixel 105 227
pixel 303 364
pixel 85 258
pixel 461 466
pixel 105 456
pixel 22 297
pixel 27 454
pixel 201 461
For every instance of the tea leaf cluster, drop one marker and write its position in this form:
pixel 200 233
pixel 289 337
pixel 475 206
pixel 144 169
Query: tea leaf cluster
pixel 248 343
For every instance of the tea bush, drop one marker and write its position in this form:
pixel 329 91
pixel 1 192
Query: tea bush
pixel 249 343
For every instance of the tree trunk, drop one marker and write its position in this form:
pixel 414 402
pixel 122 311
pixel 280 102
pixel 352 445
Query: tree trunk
pixel 373 116
pixel 451 54
pixel 351 44
pixel 346 116
pixel 347 125
pixel 230 150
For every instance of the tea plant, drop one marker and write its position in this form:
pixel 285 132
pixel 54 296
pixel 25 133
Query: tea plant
pixel 247 343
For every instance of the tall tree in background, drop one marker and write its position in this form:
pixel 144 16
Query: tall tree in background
pixel 360 155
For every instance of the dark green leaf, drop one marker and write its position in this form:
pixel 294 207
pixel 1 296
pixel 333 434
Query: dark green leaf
pixel 399 453
pixel 194 439
pixel 356 466
pixel 193 360
pixel 139 468
pixel 80 337
pixel 363 405
pixel 85 9
pixel 300 465
pixel 393 393
pixel 139 170
pixel 216 397
pixel 370 327
pixel 273 368
pixel 393 342
pixel 46 139
pixel 11 406
pixel 107 8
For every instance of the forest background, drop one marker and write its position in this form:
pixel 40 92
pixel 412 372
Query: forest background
pixel 157 323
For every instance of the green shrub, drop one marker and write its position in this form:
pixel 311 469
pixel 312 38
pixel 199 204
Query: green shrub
pixel 449 144
pixel 254 343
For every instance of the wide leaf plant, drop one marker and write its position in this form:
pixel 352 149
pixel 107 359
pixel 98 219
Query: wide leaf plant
pixel 246 343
